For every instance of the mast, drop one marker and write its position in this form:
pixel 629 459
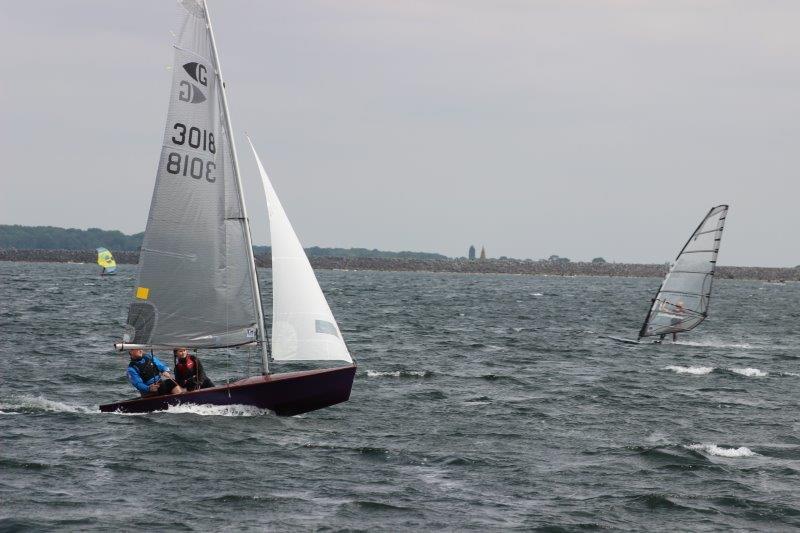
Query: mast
pixel 262 334
pixel 650 309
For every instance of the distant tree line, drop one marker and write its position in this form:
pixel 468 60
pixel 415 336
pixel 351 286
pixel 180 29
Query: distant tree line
pixel 51 238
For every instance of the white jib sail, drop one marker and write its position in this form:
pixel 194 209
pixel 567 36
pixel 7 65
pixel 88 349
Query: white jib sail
pixel 303 327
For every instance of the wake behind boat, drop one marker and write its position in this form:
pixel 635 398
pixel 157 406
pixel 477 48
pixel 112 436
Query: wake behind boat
pixel 620 339
pixel 197 283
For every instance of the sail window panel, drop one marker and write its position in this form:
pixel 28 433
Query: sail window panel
pixel 141 321
pixel 694 263
pixel 663 325
pixel 686 283
pixel 676 303
pixel 704 241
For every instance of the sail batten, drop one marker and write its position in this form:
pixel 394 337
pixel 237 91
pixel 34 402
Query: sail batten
pixel 682 301
pixel 303 326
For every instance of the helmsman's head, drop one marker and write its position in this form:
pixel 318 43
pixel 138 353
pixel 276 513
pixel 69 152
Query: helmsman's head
pixel 180 353
pixel 136 354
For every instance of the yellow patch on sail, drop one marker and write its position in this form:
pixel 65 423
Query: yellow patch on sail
pixel 142 293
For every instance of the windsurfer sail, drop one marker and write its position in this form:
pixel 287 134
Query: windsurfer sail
pixel 682 301
pixel 106 260
pixel 197 285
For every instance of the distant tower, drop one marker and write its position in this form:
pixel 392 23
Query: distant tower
pixel 471 252
pixel 483 252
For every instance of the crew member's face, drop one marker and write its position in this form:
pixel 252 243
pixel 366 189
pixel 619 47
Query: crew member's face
pixel 182 353
pixel 136 354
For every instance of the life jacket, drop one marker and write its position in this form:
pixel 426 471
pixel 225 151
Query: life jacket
pixel 147 370
pixel 186 368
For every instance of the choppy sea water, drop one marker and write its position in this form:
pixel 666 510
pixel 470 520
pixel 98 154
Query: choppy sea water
pixel 483 402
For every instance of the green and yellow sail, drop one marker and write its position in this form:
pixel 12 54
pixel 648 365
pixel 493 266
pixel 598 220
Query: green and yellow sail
pixel 106 260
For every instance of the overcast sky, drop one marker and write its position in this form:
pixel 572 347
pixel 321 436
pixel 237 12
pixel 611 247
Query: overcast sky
pixel 579 128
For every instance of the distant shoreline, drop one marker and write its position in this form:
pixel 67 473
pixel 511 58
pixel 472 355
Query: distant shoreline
pixel 464 266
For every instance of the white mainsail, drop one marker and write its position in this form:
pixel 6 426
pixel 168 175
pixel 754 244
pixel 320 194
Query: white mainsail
pixel 303 327
pixel 196 283
pixel 683 298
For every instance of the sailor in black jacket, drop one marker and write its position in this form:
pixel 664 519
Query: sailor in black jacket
pixel 189 371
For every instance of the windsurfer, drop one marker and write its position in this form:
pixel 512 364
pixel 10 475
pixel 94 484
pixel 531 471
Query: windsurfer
pixel 675 312
pixel 679 310
pixel 149 375
pixel 189 371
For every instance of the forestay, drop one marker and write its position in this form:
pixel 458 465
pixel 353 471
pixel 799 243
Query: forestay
pixel 683 299
pixel 303 327
pixel 194 286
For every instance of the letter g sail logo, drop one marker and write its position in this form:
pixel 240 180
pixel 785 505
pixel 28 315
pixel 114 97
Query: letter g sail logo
pixel 189 92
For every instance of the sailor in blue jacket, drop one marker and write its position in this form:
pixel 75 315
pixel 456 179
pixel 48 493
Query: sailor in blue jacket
pixel 150 376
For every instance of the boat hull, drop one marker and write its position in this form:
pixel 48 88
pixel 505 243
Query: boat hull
pixel 286 394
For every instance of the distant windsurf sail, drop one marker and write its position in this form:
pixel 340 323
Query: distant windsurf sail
pixel 683 298
pixel 106 260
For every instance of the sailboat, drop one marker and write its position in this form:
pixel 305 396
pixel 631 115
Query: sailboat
pixel 197 284
pixel 682 301
pixel 684 296
pixel 106 260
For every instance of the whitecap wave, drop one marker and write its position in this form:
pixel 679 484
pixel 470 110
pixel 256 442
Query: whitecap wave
pixel 537 294
pixel 695 370
pixel 396 374
pixel 713 449
pixel 715 344
pixel 215 410
pixel 378 374
pixel 42 404
pixel 749 372
pixel 477 402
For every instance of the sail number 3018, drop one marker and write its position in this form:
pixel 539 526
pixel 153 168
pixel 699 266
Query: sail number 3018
pixel 194 167
pixel 196 137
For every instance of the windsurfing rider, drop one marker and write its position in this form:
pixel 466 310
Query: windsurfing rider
pixel 189 371
pixel 676 311
pixel 149 375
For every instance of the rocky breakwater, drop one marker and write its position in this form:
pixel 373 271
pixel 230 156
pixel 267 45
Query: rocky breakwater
pixel 463 266
pixel 541 268
pixel 64 256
